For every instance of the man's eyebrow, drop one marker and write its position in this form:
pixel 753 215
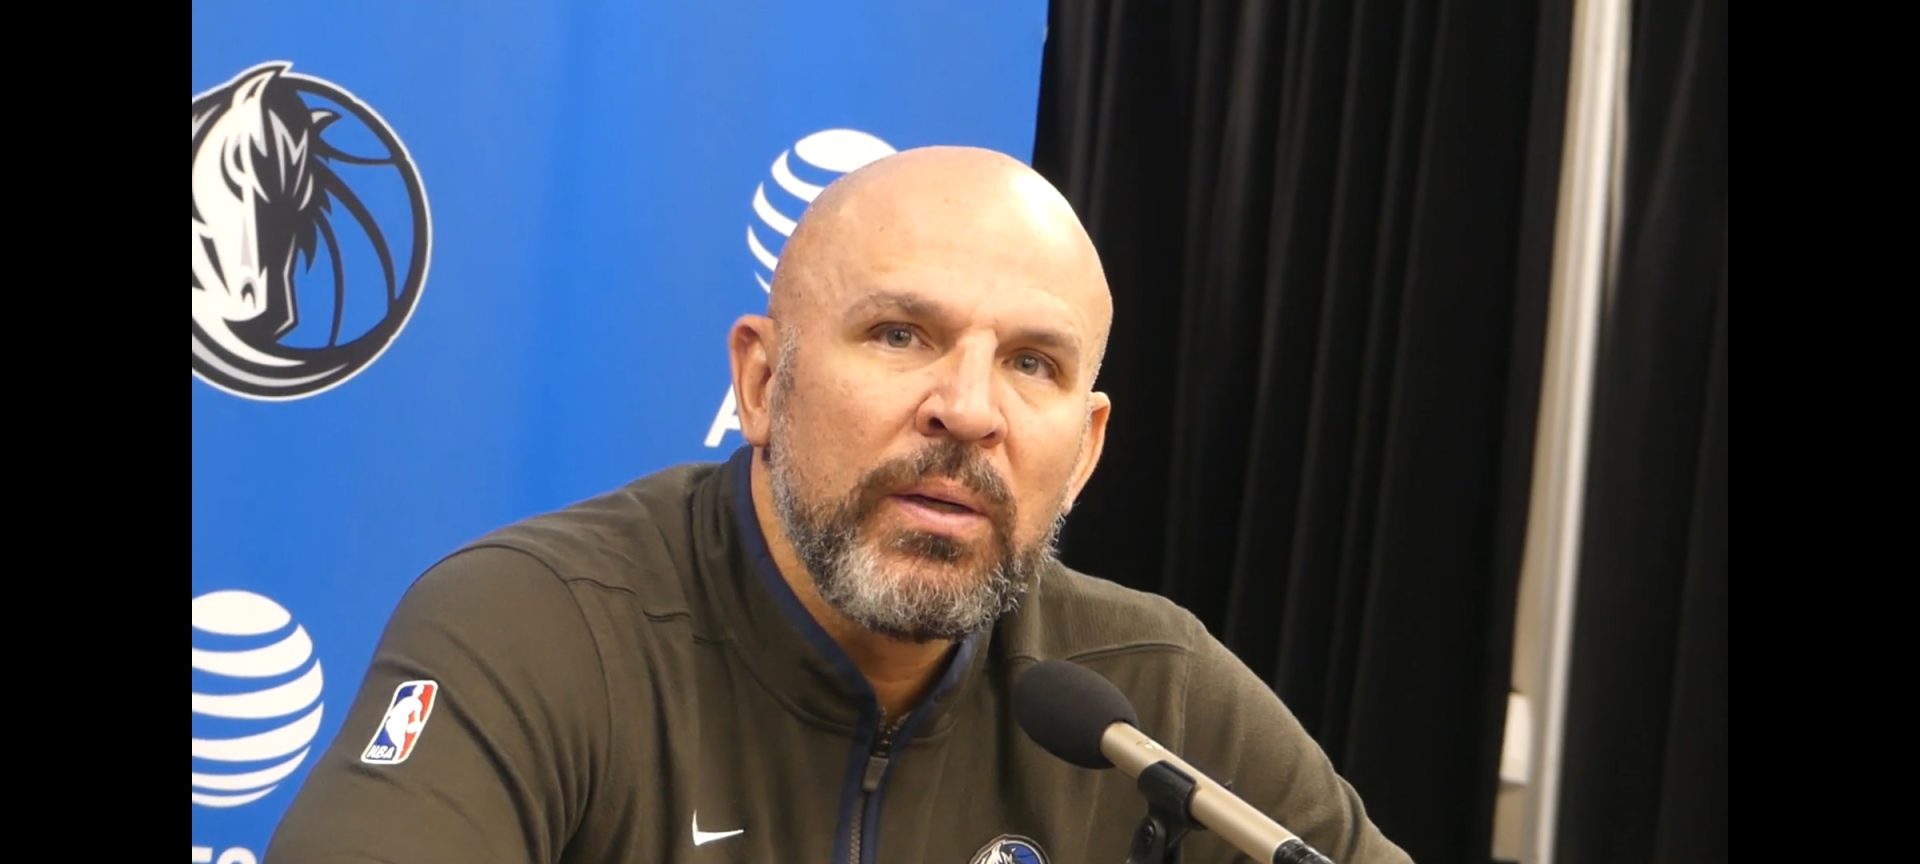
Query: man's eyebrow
pixel 1051 339
pixel 1059 342
pixel 907 304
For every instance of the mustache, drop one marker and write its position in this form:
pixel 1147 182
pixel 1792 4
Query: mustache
pixel 950 460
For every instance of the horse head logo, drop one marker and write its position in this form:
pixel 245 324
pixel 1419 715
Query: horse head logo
pixel 268 194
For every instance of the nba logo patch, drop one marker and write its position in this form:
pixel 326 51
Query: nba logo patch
pixel 400 729
pixel 1010 849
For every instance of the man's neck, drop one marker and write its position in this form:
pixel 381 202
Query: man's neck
pixel 899 672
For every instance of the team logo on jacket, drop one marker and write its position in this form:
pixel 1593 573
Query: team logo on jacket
pixel 1010 849
pixel 400 729
pixel 310 235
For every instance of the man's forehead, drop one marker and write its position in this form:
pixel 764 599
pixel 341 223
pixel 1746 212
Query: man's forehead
pixel 957 226
pixel 976 293
pixel 1005 308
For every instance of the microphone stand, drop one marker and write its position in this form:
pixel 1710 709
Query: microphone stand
pixel 1167 790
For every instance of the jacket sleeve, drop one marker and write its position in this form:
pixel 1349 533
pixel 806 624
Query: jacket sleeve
pixel 474 734
pixel 1241 735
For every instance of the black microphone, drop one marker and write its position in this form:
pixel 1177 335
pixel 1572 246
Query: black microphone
pixel 1079 716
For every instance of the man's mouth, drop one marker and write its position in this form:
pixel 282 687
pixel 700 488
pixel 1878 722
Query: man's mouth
pixel 940 504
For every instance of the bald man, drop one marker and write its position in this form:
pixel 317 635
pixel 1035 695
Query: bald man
pixel 806 653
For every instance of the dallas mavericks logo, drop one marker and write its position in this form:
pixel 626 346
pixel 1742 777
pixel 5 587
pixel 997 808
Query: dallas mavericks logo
pixel 310 235
pixel 256 697
pixel 1010 849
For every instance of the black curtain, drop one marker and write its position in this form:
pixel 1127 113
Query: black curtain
pixel 1645 767
pixel 1327 227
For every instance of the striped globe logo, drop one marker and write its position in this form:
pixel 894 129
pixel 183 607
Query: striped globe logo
pixel 799 175
pixel 256 697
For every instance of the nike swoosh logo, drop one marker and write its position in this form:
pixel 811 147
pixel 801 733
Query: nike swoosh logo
pixel 702 838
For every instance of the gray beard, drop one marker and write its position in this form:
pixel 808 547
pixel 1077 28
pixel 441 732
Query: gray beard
pixel 889 595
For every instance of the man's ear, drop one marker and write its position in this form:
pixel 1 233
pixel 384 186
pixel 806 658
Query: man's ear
pixel 1098 409
pixel 750 344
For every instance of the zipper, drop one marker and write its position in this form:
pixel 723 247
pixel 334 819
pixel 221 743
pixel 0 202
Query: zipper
pixel 870 781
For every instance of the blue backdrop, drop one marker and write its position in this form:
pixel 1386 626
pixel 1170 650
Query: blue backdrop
pixel 455 264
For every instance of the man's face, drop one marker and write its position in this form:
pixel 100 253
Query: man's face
pixel 930 416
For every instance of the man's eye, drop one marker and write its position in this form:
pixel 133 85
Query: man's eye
pixel 898 337
pixel 1032 364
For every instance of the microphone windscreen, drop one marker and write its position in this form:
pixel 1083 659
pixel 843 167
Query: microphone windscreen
pixel 1066 708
